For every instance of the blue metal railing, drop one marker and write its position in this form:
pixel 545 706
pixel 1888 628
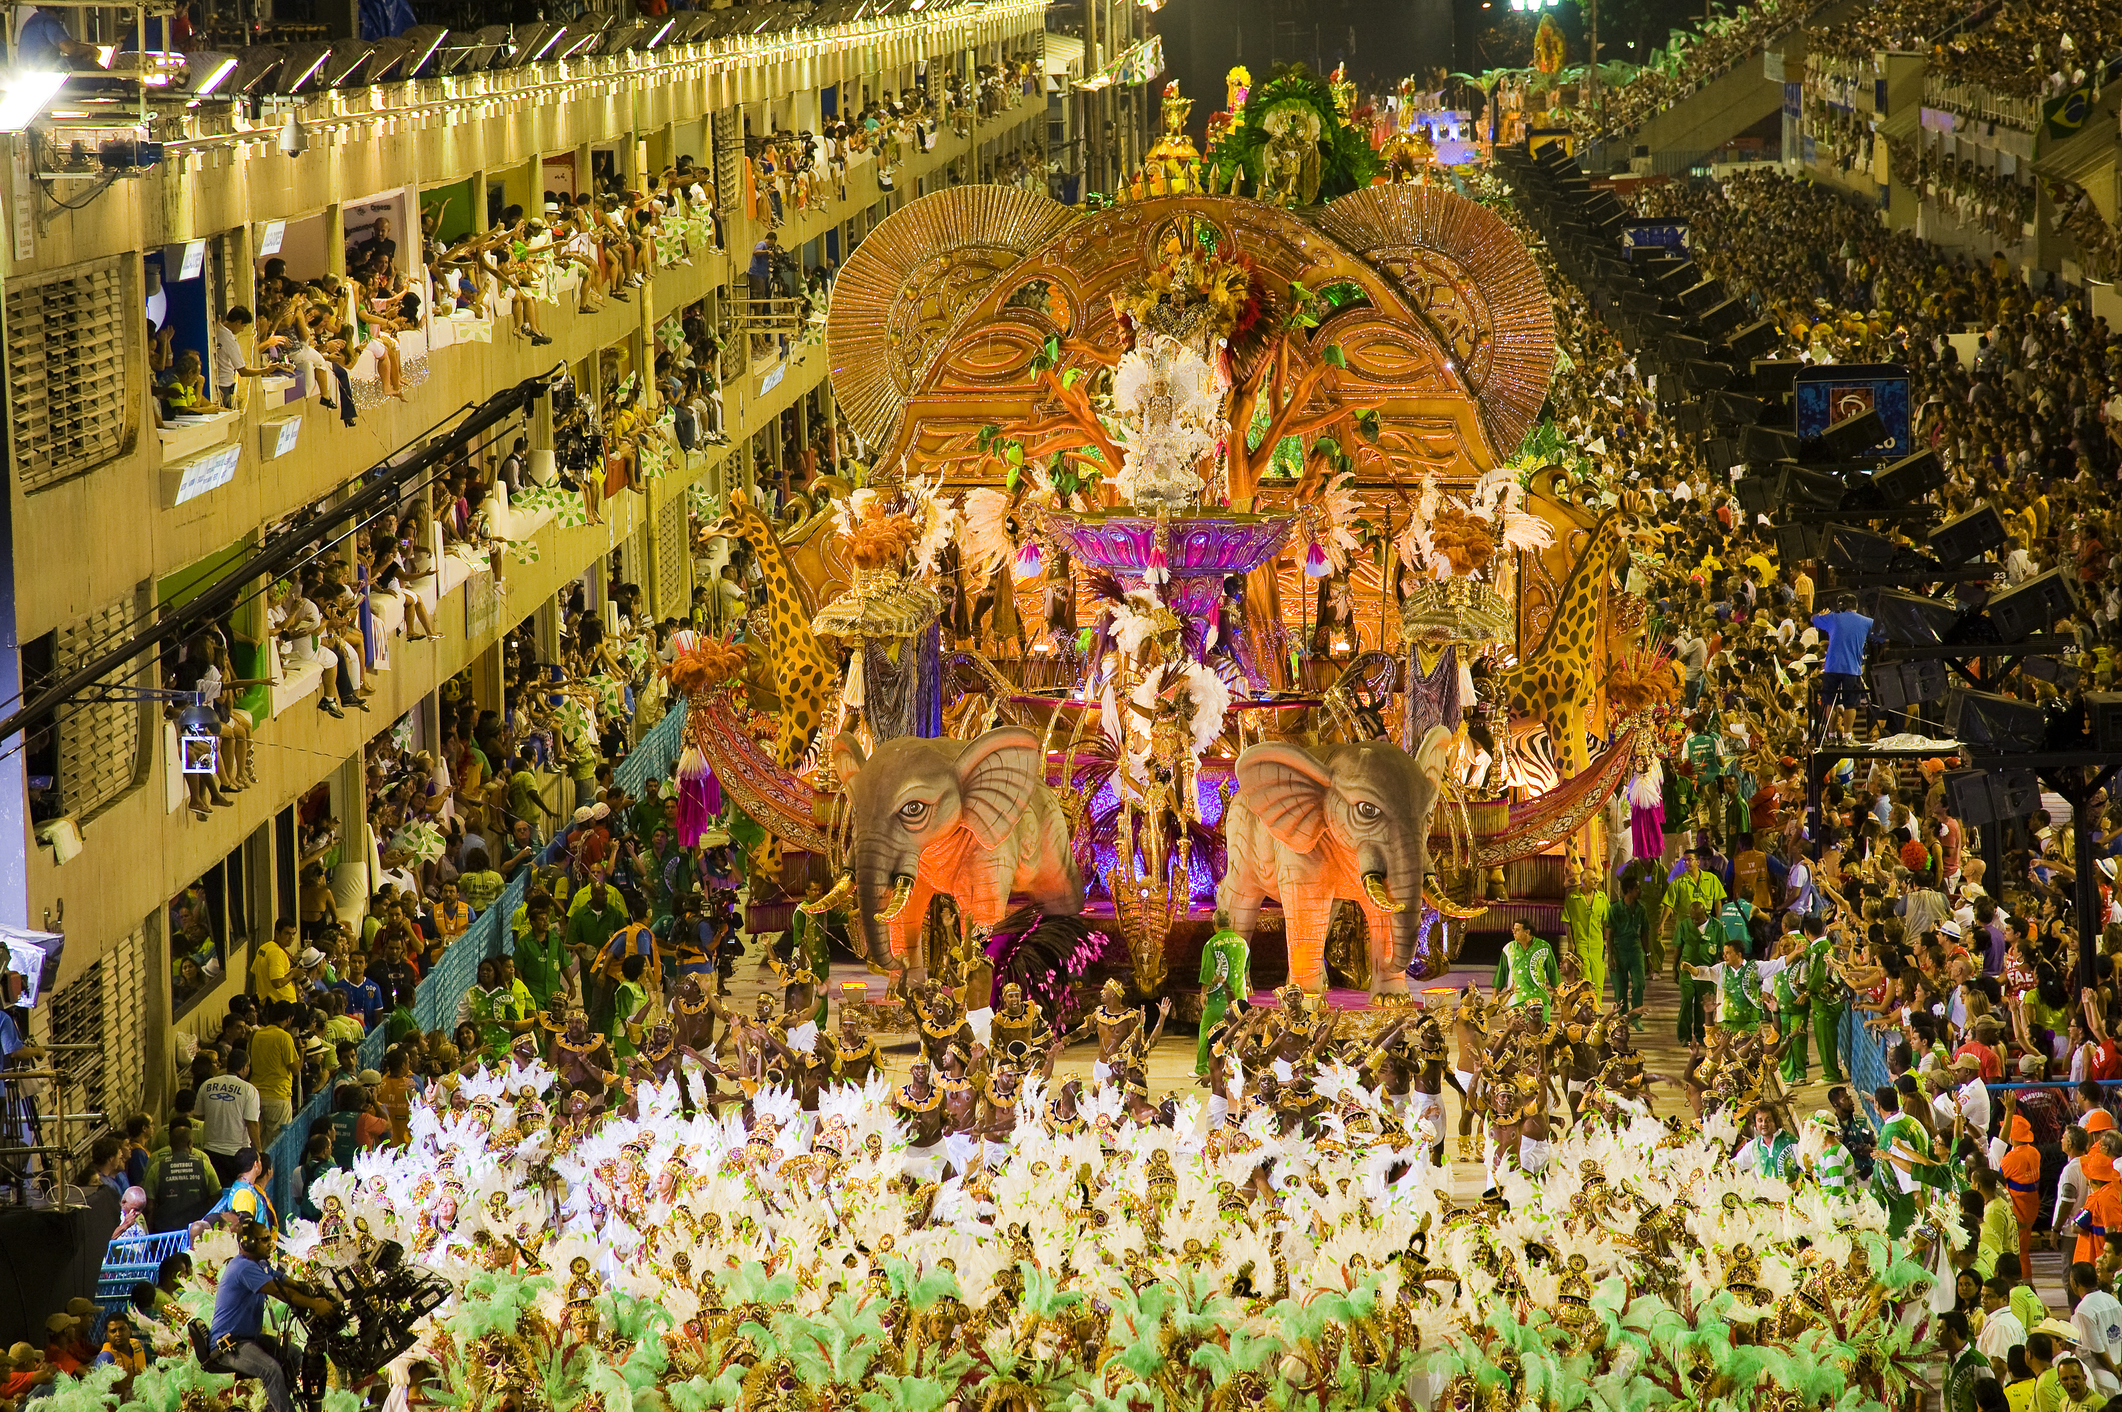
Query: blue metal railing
pixel 435 1000
pixel 134 1258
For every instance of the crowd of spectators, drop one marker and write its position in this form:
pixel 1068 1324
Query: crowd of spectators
pixel 1897 25
pixel 2029 51
pixel 1711 49
pixel 1963 971
pixel 613 237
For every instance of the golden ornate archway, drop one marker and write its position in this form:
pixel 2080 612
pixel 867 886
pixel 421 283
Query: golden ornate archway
pixel 1443 325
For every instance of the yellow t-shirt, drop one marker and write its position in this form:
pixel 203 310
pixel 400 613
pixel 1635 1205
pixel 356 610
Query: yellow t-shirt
pixel 273 1061
pixel 272 974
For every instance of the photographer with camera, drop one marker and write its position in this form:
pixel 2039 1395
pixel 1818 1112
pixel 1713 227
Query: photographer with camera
pixel 237 1338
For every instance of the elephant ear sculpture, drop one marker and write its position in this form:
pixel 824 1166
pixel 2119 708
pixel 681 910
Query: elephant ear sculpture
pixel 1308 828
pixel 974 819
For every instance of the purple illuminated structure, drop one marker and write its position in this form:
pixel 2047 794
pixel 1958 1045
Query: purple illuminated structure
pixel 1199 551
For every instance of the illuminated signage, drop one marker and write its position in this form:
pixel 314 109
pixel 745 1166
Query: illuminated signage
pixel 202 474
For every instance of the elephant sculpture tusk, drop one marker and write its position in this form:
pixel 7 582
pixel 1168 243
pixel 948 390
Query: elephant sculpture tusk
pixel 841 891
pixel 1377 890
pixel 902 889
pixel 1444 907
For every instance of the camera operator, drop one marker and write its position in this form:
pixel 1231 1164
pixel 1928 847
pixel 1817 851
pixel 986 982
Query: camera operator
pixel 237 1335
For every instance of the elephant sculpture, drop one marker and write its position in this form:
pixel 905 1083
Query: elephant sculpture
pixel 974 819
pixel 1308 827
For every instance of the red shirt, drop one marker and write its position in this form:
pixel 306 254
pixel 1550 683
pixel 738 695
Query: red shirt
pixel 591 847
pixel 1992 1066
pixel 2106 1061
pixel 370 1130
pixel 1761 810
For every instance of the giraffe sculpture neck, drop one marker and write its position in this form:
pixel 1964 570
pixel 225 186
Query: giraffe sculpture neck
pixel 1560 648
pixel 803 672
pixel 1561 678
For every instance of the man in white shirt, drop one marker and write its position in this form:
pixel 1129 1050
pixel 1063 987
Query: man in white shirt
pixel 1798 887
pixel 228 354
pixel 228 1105
pixel 2097 1316
pixel 2070 1186
pixel 2001 1329
pixel 1972 1095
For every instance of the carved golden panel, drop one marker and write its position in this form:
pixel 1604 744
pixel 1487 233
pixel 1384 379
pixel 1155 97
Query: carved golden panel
pixel 935 321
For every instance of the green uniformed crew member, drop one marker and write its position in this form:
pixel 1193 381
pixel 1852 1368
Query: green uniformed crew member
pixel 1226 975
pixel 1627 926
pixel 1824 998
pixel 1692 948
pixel 1738 984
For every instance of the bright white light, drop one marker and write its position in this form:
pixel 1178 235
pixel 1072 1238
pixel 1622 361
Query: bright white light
pixel 23 95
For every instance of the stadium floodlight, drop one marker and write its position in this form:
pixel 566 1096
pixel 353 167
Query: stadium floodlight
pixel 25 93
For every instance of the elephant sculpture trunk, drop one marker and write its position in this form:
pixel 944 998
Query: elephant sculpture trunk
pixel 971 819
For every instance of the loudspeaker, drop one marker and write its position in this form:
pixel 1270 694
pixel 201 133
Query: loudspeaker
pixel 1735 409
pixel 1678 348
pixel 1968 536
pixel 1848 550
pixel 1761 445
pixel 1897 686
pixel 1757 494
pixel 1771 375
pixel 1706 377
pixel 1905 482
pixel 1991 796
pixel 1803 489
pixel 1909 619
pixel 1671 280
pixel 2033 607
pixel 1706 295
pixel 1721 453
pixel 2103 714
pixel 2063 676
pixel 1723 318
pixel 1970 796
pixel 1755 340
pixel 1691 417
pixel 1797 543
pixel 2001 723
pixel 2022 792
pixel 1849 438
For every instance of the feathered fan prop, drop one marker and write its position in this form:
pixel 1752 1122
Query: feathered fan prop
pixel 1046 956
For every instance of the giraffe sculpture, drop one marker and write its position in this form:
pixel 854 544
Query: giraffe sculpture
pixel 1562 679
pixel 804 672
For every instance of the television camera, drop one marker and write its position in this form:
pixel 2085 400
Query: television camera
pixel 380 1298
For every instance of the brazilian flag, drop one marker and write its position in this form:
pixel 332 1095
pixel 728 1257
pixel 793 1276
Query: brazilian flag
pixel 2067 112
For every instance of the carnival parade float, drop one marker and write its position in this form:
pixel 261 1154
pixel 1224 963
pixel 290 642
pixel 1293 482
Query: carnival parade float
pixel 1302 639
pixel 1301 633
